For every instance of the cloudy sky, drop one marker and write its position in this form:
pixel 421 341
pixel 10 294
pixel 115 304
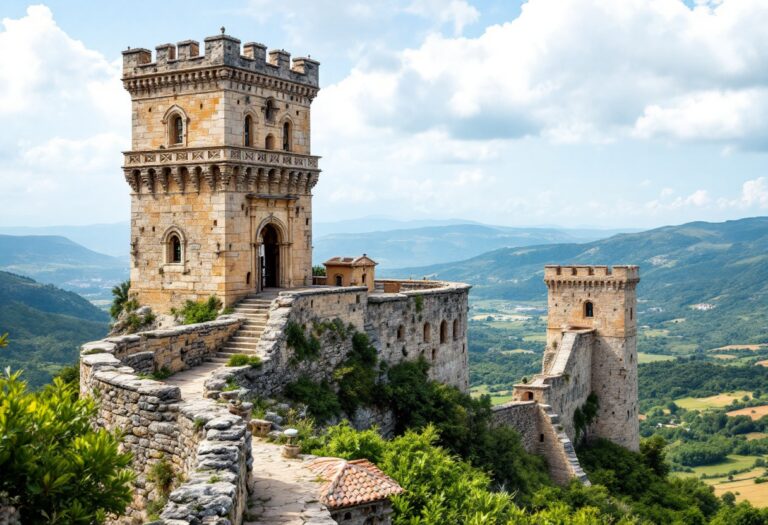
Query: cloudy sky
pixel 603 113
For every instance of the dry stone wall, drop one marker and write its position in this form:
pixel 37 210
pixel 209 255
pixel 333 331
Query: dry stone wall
pixel 206 447
pixel 173 349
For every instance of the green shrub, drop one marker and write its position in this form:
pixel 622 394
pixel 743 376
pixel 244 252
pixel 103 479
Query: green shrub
pixel 356 376
pixel 303 348
pixel 162 475
pixel 253 361
pixel 321 400
pixel 198 311
pixel 55 466
pixel 120 296
pixel 584 415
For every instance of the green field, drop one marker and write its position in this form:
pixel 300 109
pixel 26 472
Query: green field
pixel 497 398
pixel 733 462
pixel 706 403
pixel 643 357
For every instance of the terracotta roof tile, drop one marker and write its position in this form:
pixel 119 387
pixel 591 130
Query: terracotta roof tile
pixel 350 483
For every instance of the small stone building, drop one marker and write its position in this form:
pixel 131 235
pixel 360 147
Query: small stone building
pixel 355 492
pixel 350 271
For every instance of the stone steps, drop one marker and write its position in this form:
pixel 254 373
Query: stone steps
pixel 255 314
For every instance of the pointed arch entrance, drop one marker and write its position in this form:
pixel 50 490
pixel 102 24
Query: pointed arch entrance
pixel 269 256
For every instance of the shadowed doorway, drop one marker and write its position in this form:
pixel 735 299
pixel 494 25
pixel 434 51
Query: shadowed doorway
pixel 270 257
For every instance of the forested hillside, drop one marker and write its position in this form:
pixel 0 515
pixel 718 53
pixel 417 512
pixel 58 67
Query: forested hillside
pixel 45 326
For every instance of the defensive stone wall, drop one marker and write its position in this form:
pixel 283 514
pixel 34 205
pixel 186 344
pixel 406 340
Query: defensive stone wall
pixel 173 349
pixel 426 319
pixel 541 433
pixel 208 449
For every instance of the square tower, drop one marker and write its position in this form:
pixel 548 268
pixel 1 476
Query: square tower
pixel 604 300
pixel 220 170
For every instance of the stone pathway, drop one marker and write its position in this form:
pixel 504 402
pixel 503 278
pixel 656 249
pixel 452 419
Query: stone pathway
pixel 284 490
pixel 191 381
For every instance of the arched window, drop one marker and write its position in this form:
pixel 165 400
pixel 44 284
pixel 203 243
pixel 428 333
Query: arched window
pixel 364 278
pixel 287 136
pixel 444 332
pixel 174 248
pixel 427 333
pixel 339 280
pixel 177 134
pixel 269 143
pixel 456 330
pixel 400 333
pixel 270 110
pixel 529 396
pixel 247 127
pixel 589 309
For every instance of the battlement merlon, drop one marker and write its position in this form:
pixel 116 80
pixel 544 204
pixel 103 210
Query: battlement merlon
pixel 221 50
pixel 629 274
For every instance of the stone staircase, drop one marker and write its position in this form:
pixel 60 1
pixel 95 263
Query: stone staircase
pixel 255 310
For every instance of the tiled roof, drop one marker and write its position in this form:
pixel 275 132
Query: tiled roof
pixel 350 483
pixel 363 260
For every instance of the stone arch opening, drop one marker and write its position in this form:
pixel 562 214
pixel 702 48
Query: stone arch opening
pixel 443 332
pixel 269 256
pixel 589 309
pixel 456 330
pixel 427 333
pixel 269 142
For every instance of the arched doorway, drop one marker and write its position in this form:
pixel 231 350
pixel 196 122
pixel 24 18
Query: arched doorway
pixel 270 257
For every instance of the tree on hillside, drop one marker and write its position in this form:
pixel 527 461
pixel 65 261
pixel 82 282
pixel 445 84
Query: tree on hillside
pixel 55 467
pixel 120 296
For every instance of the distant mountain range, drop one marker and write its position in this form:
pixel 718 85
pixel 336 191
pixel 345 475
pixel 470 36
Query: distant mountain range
pixel 45 325
pixel 111 239
pixel 724 265
pixel 57 260
pixel 416 246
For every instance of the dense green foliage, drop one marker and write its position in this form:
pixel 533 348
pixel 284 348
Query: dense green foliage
pixel 55 467
pixel 303 347
pixel 198 311
pixel 320 398
pixel 584 415
pixel 46 326
pixel 356 377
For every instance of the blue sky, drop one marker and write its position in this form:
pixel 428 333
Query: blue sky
pixel 567 112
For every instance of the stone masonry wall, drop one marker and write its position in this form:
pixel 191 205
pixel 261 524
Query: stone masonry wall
pixel 423 319
pixel 207 448
pixel 523 417
pixel 174 348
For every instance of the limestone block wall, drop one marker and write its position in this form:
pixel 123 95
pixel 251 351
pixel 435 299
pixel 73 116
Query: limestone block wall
pixel 174 348
pixel 523 416
pixel 567 379
pixel 208 448
pixel 423 319
pixel 305 308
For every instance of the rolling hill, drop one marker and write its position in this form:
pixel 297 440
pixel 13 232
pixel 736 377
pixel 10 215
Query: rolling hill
pixel 45 326
pixel 439 243
pixel 59 261
pixel 722 264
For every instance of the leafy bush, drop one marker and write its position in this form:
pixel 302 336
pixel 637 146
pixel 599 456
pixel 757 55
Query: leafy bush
pixel 321 400
pixel 253 361
pixel 303 348
pixel 198 311
pixel 584 415
pixel 56 468
pixel 318 271
pixel 356 376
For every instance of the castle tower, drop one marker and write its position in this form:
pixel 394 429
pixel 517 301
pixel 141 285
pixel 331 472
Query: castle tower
pixel 605 300
pixel 220 170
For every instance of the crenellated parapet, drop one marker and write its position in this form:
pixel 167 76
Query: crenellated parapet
pixel 224 59
pixel 591 276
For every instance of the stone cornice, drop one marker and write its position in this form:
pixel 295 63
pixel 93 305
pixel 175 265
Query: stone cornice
pixel 150 82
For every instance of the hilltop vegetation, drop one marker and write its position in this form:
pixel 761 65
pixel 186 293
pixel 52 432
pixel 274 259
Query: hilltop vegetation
pixel 45 325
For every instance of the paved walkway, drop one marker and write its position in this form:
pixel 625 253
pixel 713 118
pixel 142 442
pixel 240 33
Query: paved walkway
pixel 284 490
pixel 191 381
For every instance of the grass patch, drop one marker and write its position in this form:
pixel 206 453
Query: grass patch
pixel 253 361
pixel 754 412
pixel 643 357
pixel 706 403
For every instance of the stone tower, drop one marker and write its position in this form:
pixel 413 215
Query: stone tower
pixel 603 300
pixel 220 170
